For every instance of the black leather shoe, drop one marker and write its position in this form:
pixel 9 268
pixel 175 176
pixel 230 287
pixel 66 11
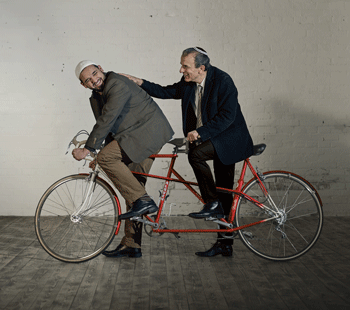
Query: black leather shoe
pixel 122 251
pixel 140 206
pixel 216 249
pixel 211 209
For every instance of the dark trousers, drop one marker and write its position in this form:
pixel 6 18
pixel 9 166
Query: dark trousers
pixel 224 177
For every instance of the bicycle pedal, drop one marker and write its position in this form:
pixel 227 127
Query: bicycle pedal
pixel 248 234
pixel 210 219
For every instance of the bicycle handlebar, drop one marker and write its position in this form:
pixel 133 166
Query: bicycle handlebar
pixel 177 142
pixel 78 144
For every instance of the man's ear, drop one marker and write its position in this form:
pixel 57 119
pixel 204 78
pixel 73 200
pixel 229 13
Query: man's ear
pixel 83 84
pixel 100 68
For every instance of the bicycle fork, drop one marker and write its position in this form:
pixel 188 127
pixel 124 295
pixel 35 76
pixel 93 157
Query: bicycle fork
pixel 76 217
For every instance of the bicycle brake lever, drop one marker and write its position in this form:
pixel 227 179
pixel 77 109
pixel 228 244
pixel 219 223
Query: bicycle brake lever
pixel 75 141
pixel 70 143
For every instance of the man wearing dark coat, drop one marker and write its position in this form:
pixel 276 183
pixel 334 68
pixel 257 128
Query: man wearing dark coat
pixel 134 128
pixel 214 124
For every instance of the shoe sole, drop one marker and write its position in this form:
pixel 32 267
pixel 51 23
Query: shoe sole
pixel 135 255
pixel 151 210
pixel 223 254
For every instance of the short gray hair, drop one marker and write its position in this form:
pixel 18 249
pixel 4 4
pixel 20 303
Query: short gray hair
pixel 201 57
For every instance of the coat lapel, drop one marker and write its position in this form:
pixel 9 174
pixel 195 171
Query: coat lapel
pixel 96 106
pixel 188 108
pixel 207 90
pixel 193 97
pixel 189 98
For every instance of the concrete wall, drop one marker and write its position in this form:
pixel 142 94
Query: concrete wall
pixel 288 58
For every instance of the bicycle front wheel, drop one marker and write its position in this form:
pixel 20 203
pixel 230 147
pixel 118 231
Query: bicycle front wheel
pixel 298 224
pixel 70 232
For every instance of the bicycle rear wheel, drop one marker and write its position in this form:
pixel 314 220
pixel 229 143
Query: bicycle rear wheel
pixel 298 225
pixel 75 236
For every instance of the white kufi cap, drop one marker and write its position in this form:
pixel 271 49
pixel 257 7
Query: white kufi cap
pixel 82 65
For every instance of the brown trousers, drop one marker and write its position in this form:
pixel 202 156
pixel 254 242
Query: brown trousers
pixel 116 164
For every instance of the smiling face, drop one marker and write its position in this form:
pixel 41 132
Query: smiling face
pixel 189 70
pixel 93 77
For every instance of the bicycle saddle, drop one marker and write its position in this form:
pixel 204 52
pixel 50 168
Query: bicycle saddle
pixel 259 148
pixel 178 142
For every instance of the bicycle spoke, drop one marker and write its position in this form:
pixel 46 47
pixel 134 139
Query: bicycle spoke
pixel 296 230
pixel 74 236
pixel 296 226
pixel 96 206
pixel 57 207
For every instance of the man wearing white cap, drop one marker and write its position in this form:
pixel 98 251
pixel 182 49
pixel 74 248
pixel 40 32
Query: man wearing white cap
pixel 134 127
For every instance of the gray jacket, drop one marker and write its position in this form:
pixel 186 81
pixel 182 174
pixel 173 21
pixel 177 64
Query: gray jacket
pixel 131 116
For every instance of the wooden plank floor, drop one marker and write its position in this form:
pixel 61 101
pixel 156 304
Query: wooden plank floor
pixel 170 276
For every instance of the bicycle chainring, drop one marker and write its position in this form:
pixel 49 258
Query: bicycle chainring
pixel 149 230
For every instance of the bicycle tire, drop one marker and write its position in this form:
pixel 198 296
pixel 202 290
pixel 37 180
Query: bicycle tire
pixel 296 229
pixel 76 238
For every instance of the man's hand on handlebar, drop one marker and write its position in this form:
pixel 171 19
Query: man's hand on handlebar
pixel 193 136
pixel 80 154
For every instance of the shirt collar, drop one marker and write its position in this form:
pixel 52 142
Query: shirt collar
pixel 202 84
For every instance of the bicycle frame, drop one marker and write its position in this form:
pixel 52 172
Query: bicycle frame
pixel 237 195
pixel 287 206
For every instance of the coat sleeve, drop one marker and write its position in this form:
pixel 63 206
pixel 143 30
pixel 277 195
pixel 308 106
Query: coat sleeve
pixel 117 96
pixel 227 106
pixel 174 91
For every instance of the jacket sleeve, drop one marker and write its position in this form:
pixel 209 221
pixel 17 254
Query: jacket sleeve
pixel 174 91
pixel 227 106
pixel 117 96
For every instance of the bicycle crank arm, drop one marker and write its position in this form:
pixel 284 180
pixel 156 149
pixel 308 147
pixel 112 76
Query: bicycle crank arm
pixel 146 222
pixel 215 220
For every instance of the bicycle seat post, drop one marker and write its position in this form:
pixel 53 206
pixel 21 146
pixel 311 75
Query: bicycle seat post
pixel 175 150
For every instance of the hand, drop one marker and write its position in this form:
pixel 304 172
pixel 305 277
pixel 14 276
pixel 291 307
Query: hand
pixel 136 80
pixel 193 136
pixel 80 154
pixel 92 164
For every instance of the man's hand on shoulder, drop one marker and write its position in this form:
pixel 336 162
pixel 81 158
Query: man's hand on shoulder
pixel 136 80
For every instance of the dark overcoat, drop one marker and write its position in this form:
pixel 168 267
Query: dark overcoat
pixel 223 121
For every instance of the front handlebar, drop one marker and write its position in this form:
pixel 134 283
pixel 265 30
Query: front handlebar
pixel 177 142
pixel 78 143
